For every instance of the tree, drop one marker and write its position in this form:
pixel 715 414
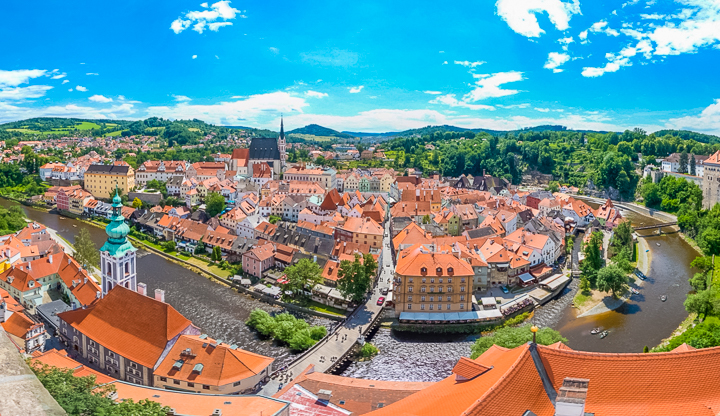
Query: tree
pixel 650 193
pixel 593 259
pixel 169 246
pixel 683 163
pixel 354 280
pixel 569 244
pixel 426 219
pixel 611 278
pixel 692 165
pixel 214 204
pixel 646 349
pixel 85 251
pixel 200 247
pixel 137 203
pixel 216 254
pixel 304 274
pixel 84 396
pixel 702 303
pixel 511 337
pixel 273 219
pixel 622 238
pixel 553 186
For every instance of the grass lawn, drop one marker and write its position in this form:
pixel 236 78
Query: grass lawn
pixel 580 298
pixel 316 306
pixel 114 133
pixel 86 125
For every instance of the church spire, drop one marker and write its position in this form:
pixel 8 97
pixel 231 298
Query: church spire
pixel 282 129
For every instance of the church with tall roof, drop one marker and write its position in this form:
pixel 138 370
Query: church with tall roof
pixel 268 150
pixel 118 260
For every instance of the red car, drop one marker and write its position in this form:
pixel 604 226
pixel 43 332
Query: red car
pixel 381 301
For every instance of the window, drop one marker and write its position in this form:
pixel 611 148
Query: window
pixel 206 387
pixel 449 280
pixel 410 289
pixel 462 297
pixel 440 281
pixel 449 289
pixel 439 270
pixel 422 298
pixel 462 306
pixel 432 289
pixel 235 384
pixel 432 298
pixel 422 289
pixel 462 280
pixel 450 270
pixel 409 306
pixel 410 298
pixel 163 378
pixel 448 306
pixel 422 307
pixel 423 277
pixel 410 280
pixel 440 289
pixel 449 298
pixel 431 306
pixel 439 307
pixel 432 280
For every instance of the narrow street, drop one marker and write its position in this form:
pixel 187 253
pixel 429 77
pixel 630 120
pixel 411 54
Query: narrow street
pixel 339 342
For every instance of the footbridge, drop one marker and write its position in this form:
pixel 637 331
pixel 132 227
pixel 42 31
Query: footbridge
pixel 658 226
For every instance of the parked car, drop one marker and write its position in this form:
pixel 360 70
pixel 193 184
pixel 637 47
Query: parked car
pixel 504 289
pixel 384 291
pixel 381 301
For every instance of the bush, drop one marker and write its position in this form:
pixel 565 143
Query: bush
pixel 513 337
pixel 368 350
pixel 318 332
pixel 286 328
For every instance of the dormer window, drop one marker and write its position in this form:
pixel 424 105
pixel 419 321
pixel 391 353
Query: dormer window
pixel 439 270
pixel 450 269
pixel 423 270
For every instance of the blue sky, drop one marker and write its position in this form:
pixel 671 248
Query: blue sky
pixel 368 65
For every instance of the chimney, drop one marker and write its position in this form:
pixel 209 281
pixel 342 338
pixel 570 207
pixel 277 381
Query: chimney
pixel 50 259
pixel 29 267
pixel 160 295
pixel 571 397
pixel 85 280
pixel 142 289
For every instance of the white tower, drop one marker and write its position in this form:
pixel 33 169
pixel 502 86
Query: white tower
pixel 117 255
pixel 281 145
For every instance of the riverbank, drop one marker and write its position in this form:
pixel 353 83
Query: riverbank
pixel 198 266
pixel 600 302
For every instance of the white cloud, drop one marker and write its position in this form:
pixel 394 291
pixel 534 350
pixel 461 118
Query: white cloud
pixel 565 42
pixel 24 93
pixel 65 81
pixel 355 90
pixel 315 94
pixel 469 64
pixel 181 98
pixel 100 99
pixel 71 90
pixel 59 76
pixel 520 14
pixel 488 85
pixel 251 110
pixel 602 27
pixel 543 110
pixel 433 92
pixel 696 25
pixel 707 121
pixel 92 73
pixel 555 60
pixel 194 57
pixel 445 63
pixel 81 88
pixel 274 50
pixel 19 76
pixel 450 100
pixel 513 106
pixel 199 20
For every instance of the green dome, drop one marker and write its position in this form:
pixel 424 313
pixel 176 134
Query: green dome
pixel 117 230
pixel 117 200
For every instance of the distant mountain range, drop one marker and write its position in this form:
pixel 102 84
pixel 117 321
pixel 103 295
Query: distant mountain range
pixel 315 130
pixel 57 125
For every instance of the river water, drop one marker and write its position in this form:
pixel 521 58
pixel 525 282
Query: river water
pixel 221 312
pixel 217 310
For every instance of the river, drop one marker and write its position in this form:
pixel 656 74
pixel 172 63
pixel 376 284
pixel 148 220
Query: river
pixel 221 312
pixel 644 320
pixel 217 310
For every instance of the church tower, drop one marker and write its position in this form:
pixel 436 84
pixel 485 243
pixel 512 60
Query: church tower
pixel 117 255
pixel 281 145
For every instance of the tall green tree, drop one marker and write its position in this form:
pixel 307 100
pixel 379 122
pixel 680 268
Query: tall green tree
pixel 683 163
pixel 305 274
pixel 354 279
pixel 83 396
pixel 693 167
pixel 622 238
pixel 214 204
pixel 216 254
pixel 86 253
pixel 703 303
pixel 593 258
pixel 611 279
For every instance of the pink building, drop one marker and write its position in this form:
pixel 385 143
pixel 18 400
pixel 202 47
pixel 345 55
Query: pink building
pixel 259 259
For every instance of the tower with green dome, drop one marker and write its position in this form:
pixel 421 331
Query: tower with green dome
pixel 117 255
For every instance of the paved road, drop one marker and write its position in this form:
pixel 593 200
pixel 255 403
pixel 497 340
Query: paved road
pixel 348 333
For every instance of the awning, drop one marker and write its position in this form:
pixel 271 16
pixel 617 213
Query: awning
pixel 488 301
pixel 526 278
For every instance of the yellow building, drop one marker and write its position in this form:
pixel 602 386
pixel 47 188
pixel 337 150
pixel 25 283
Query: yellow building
pixel 101 180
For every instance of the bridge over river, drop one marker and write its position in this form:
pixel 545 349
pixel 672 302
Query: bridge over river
pixel 335 348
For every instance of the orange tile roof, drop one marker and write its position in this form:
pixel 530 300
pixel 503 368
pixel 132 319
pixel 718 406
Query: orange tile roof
pixel 413 260
pixel 221 364
pixel 362 226
pixel 140 333
pixel 468 369
pixel 18 324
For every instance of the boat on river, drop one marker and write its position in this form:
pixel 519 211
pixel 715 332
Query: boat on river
pixel 595 331
pixel 604 334
pixel 663 298
pixel 634 291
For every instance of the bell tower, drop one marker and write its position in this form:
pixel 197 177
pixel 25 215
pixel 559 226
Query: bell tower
pixel 281 145
pixel 117 255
